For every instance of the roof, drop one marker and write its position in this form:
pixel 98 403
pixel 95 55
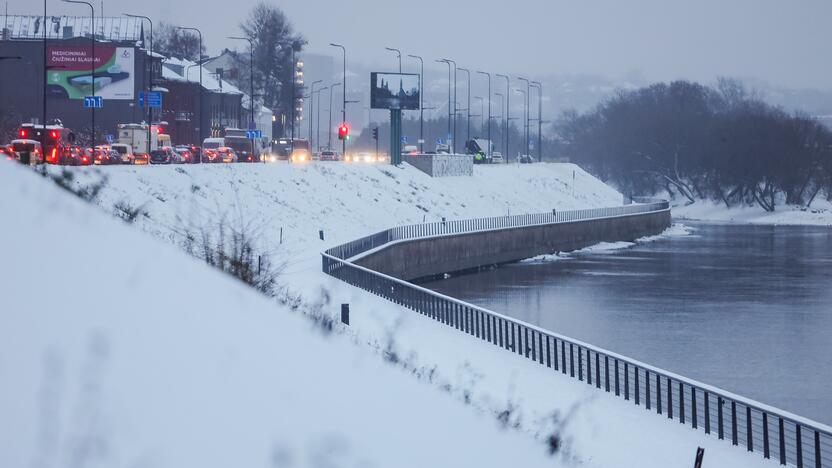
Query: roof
pixel 118 28
pixel 190 73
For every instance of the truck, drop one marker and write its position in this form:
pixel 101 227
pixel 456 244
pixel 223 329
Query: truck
pixel 247 149
pixel 481 149
pixel 136 136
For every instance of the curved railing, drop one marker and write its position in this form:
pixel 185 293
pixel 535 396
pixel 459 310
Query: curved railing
pixel 772 432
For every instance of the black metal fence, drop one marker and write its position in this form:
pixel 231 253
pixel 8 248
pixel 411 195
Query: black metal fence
pixel 759 428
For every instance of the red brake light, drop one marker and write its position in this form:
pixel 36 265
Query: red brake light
pixel 53 134
pixel 22 133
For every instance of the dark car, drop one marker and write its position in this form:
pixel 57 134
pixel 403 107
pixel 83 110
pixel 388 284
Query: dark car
pixel 525 159
pixel 106 156
pixel 161 156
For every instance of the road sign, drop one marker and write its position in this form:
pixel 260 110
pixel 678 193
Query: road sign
pixel 109 138
pixel 421 141
pixel 141 99
pixel 154 99
pixel 252 134
pixel 404 139
pixel 93 101
pixel 438 141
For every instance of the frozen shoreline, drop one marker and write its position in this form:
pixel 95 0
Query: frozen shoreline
pixel 787 215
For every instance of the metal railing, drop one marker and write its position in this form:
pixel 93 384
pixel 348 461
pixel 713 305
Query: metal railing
pixel 772 432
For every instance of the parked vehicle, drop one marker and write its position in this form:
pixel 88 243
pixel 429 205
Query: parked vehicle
pixel 363 157
pixel 161 156
pixel 497 158
pixel 125 152
pixel 329 155
pixel 226 154
pixel 525 159
pixel 443 148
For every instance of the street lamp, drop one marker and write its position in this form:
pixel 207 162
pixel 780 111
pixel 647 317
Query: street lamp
pixel 507 112
pixel 489 109
pixel 539 87
pixel 482 111
pixel 251 73
pixel 421 102
pixel 520 91
pixel 312 111
pixel 451 110
pixel 92 67
pixel 468 110
pixel 344 88
pixel 526 113
pixel 150 80
pixel 399 54
pixel 329 128
pixel 201 103
pixel 318 124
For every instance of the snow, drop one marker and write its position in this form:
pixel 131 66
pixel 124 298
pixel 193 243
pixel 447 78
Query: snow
pixel 277 384
pixel 138 355
pixel 675 230
pixel 820 214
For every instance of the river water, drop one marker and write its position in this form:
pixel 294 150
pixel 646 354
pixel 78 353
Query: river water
pixel 742 307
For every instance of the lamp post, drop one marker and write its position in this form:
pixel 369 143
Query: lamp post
pixel 502 108
pixel 468 104
pixel 489 110
pixel 251 122
pixel 526 113
pixel 92 68
pixel 421 102
pixel 539 87
pixel 451 110
pixel 150 78
pixel 312 111
pixel 506 115
pixel 344 88
pixel 45 72
pixel 525 110
pixel 201 103
pixel 329 128
pixel 399 54
pixel 482 111
pixel 318 124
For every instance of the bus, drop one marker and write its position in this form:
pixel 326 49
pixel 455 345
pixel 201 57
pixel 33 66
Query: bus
pixel 283 148
pixel 55 140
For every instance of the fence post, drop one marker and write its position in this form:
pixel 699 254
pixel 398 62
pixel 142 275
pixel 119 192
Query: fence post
pixel 681 403
pixel 817 450
pixel 693 406
pixel 658 394
pixel 626 381
pixel 669 399
pixel 588 367
pixel 765 436
pixel 782 442
pixel 580 365
pixel 635 378
pixel 597 372
pixel 734 422
pixel 647 390
pixel 571 360
pixel 719 404
pixel 799 445
pixel 607 373
pixel 616 378
pixel 707 412
pixel 748 432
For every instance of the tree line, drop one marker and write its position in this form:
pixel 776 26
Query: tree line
pixel 721 143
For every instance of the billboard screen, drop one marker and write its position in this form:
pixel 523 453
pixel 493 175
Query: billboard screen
pixel 394 91
pixel 69 76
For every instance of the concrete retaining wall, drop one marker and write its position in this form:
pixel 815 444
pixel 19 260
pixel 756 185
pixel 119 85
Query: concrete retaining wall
pixel 442 165
pixel 420 258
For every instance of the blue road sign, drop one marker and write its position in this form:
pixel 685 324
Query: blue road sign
pixel 438 141
pixel 109 138
pixel 404 139
pixel 154 99
pixel 93 101
pixel 141 99
pixel 251 134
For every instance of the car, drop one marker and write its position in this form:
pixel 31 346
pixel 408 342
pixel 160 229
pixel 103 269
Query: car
pixel 525 159
pixel 185 154
pixel 106 156
pixel 226 155
pixel 363 157
pixel 329 155
pixel 161 156
pixel 125 152
pixel 497 157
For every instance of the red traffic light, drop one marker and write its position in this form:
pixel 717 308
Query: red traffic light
pixel 343 131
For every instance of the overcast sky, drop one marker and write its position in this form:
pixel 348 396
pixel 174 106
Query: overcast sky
pixel 782 42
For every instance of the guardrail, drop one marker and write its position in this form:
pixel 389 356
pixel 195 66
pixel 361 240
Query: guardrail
pixel 772 432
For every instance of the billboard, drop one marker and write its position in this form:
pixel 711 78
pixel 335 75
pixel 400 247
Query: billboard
pixel 69 75
pixel 394 91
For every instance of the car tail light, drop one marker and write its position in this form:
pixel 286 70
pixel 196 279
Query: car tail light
pixel 22 133
pixel 54 154
pixel 53 134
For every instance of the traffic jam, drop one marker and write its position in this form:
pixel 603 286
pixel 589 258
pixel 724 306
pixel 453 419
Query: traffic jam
pixel 142 144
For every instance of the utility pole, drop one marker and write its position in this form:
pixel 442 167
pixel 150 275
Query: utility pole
pixel 448 62
pixel 399 54
pixel 318 124
pixel 312 113
pixel 526 114
pixel 329 129
pixel 421 103
pixel 92 70
pixel 539 119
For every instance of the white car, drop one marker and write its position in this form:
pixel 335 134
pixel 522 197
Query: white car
pixel 497 157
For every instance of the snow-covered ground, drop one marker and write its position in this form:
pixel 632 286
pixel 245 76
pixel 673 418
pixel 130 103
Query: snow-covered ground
pixel 190 366
pixel 820 214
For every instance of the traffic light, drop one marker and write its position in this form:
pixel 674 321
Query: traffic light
pixel 343 132
pixel 375 133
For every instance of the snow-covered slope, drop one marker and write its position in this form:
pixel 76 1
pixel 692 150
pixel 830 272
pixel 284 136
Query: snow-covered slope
pixel 820 214
pixel 119 350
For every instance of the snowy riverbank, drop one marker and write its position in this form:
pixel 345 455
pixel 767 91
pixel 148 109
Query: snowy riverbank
pixel 705 210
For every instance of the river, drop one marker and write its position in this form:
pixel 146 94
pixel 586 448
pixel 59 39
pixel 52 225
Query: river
pixel 747 308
